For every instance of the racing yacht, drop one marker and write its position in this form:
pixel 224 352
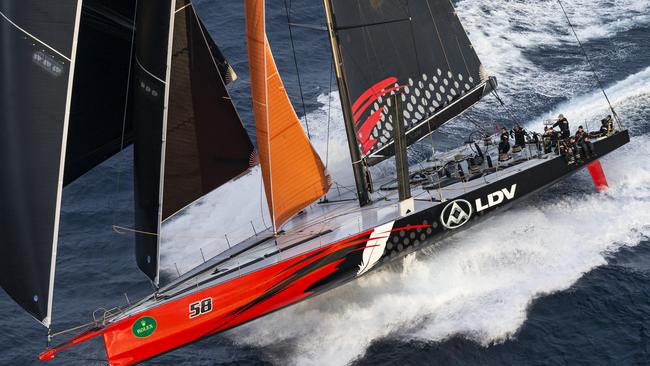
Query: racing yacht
pixel 404 68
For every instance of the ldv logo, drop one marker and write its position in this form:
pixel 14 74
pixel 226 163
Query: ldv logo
pixel 496 198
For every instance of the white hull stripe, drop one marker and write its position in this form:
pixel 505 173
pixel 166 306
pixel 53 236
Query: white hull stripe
pixel 375 247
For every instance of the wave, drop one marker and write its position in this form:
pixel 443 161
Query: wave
pixel 506 36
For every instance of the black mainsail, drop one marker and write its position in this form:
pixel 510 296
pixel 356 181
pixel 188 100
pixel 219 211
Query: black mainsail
pixel 38 41
pixel 189 138
pixel 416 47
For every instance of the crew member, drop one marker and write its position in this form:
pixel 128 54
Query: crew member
pixel 607 126
pixel 504 144
pixel 520 136
pixel 563 123
pixel 555 139
pixel 546 138
pixel 582 140
pixel 567 149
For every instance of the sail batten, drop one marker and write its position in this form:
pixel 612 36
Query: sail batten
pixel 293 173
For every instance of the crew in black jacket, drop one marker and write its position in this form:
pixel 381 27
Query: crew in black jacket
pixel 582 140
pixel 563 123
pixel 519 135
pixel 504 144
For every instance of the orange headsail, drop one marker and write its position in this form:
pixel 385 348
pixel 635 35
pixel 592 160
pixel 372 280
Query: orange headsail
pixel 294 175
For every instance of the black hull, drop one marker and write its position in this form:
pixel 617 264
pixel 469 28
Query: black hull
pixel 529 181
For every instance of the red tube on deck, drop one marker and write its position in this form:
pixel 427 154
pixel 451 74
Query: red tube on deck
pixel 598 175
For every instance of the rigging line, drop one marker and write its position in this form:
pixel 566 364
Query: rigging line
pixel 442 45
pixel 476 124
pixel 591 66
pixel 126 102
pixel 262 198
pixel 123 230
pixel 505 107
pixel 464 61
pixel 329 116
pixel 368 25
pixel 68 330
pixel 295 61
pixel 415 48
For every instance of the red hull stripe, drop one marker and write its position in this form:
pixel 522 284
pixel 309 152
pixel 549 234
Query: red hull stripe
pixel 232 303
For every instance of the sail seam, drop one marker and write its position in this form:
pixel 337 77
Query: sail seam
pixel 183 7
pixel 357 26
pixel 34 37
pixel 64 140
pixel 137 61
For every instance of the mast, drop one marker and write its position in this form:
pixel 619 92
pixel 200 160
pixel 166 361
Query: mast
pixel 406 202
pixel 358 162
pixel 170 44
pixel 47 321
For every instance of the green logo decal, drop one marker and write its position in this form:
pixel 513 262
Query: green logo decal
pixel 144 327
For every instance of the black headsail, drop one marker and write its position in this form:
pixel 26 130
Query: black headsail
pixel 37 57
pixel 416 47
pixel 205 143
pixel 98 128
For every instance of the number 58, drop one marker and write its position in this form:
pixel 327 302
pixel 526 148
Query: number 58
pixel 200 307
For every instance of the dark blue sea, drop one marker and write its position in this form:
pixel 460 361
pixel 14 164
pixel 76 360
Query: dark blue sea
pixel 560 279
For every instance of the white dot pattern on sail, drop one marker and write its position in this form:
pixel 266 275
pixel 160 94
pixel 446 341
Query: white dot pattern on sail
pixel 421 98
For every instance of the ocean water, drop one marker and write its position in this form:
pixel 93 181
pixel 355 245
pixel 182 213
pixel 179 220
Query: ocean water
pixel 562 278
